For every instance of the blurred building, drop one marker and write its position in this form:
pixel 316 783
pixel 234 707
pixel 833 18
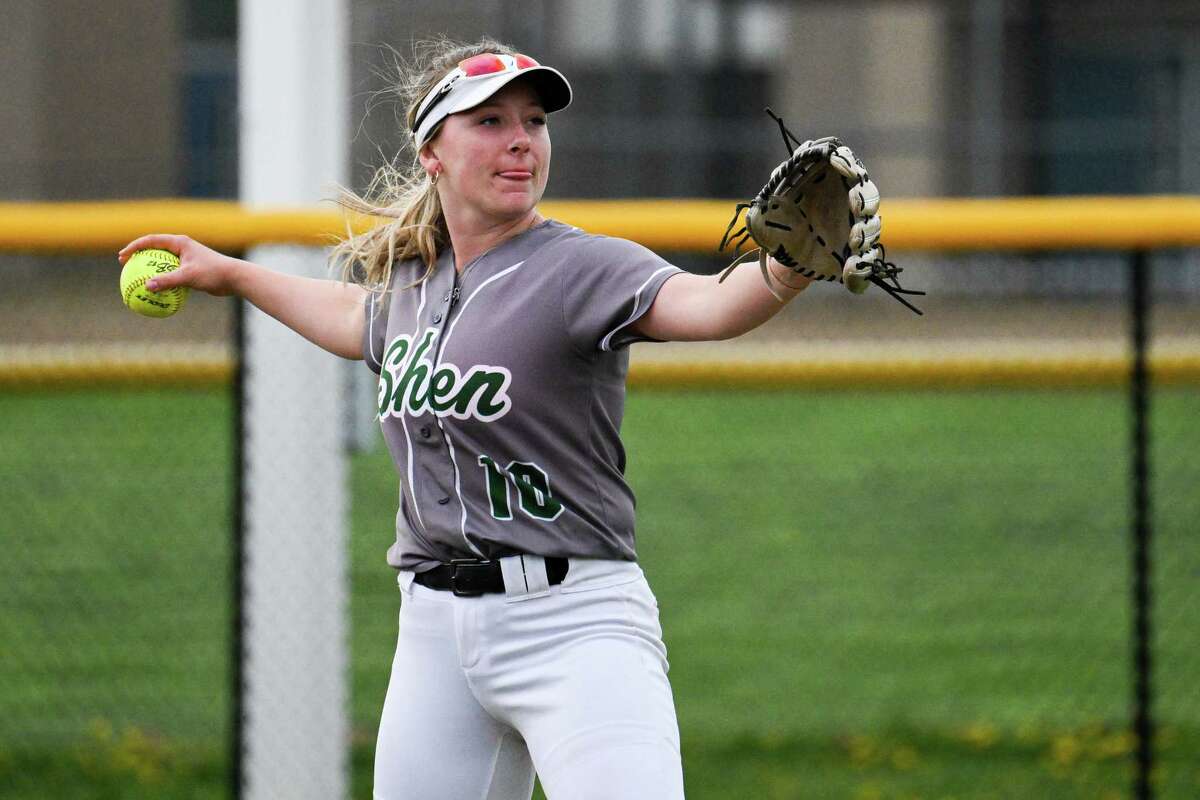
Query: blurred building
pixel 137 98
pixel 942 98
pixel 91 103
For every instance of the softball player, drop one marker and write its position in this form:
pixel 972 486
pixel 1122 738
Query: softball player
pixel 529 639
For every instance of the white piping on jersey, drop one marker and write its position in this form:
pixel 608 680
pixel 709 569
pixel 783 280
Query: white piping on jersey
pixel 458 491
pixel 412 490
pixel 637 302
pixel 371 333
pixel 438 360
pixel 407 439
pixel 463 307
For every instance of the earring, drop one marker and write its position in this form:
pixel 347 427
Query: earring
pixel 433 177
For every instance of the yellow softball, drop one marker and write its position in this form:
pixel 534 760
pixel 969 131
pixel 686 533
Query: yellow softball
pixel 141 267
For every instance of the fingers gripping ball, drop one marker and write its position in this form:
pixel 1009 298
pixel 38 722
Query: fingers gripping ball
pixel 141 267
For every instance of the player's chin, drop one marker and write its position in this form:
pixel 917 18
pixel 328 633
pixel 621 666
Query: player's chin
pixel 516 203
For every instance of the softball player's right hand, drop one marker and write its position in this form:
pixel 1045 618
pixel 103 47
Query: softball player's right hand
pixel 200 267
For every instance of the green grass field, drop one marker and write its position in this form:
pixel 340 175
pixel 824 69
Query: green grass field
pixel 864 595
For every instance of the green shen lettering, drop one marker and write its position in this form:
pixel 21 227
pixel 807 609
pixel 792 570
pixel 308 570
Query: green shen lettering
pixel 395 354
pixel 488 385
pixel 411 383
pixel 441 389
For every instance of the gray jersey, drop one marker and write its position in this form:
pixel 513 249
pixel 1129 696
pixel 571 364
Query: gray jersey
pixel 501 393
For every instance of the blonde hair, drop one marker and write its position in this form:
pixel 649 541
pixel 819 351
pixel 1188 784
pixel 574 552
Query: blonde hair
pixel 404 194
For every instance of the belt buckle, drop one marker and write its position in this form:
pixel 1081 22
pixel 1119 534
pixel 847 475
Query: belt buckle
pixel 457 564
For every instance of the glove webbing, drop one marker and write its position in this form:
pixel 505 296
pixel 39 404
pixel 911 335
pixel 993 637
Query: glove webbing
pixel 882 270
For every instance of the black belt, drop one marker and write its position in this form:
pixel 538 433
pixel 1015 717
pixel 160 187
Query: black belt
pixel 468 577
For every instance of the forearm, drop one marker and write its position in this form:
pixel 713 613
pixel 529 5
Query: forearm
pixel 328 313
pixel 743 301
pixel 699 308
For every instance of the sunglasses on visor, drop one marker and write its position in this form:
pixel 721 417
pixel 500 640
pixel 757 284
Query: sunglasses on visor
pixel 482 65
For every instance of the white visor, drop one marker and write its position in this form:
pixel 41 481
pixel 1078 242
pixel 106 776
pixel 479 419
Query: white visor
pixel 457 92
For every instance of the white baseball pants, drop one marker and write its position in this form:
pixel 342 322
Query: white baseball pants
pixel 570 680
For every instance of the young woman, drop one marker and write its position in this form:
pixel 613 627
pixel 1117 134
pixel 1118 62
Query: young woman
pixel 528 637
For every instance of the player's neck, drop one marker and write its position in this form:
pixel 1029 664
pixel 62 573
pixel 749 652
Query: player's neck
pixel 472 238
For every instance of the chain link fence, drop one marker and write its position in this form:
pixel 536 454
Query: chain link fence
pixel 895 564
pixel 115 510
pixel 866 592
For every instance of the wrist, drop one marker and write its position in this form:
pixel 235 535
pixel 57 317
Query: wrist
pixel 790 282
pixel 235 275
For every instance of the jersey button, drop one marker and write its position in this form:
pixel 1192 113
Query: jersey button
pixel 425 432
pixel 437 318
pixel 443 501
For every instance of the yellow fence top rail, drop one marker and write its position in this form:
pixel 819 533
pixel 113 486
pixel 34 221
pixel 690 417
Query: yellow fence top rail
pixel 76 371
pixel 932 224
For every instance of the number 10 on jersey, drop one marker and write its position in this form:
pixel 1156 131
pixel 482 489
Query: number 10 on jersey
pixel 532 485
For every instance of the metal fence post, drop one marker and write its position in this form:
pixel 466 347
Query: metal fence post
pixel 237 733
pixel 1143 720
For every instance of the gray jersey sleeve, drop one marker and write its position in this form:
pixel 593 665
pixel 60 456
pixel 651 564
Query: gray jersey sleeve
pixel 607 284
pixel 375 309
